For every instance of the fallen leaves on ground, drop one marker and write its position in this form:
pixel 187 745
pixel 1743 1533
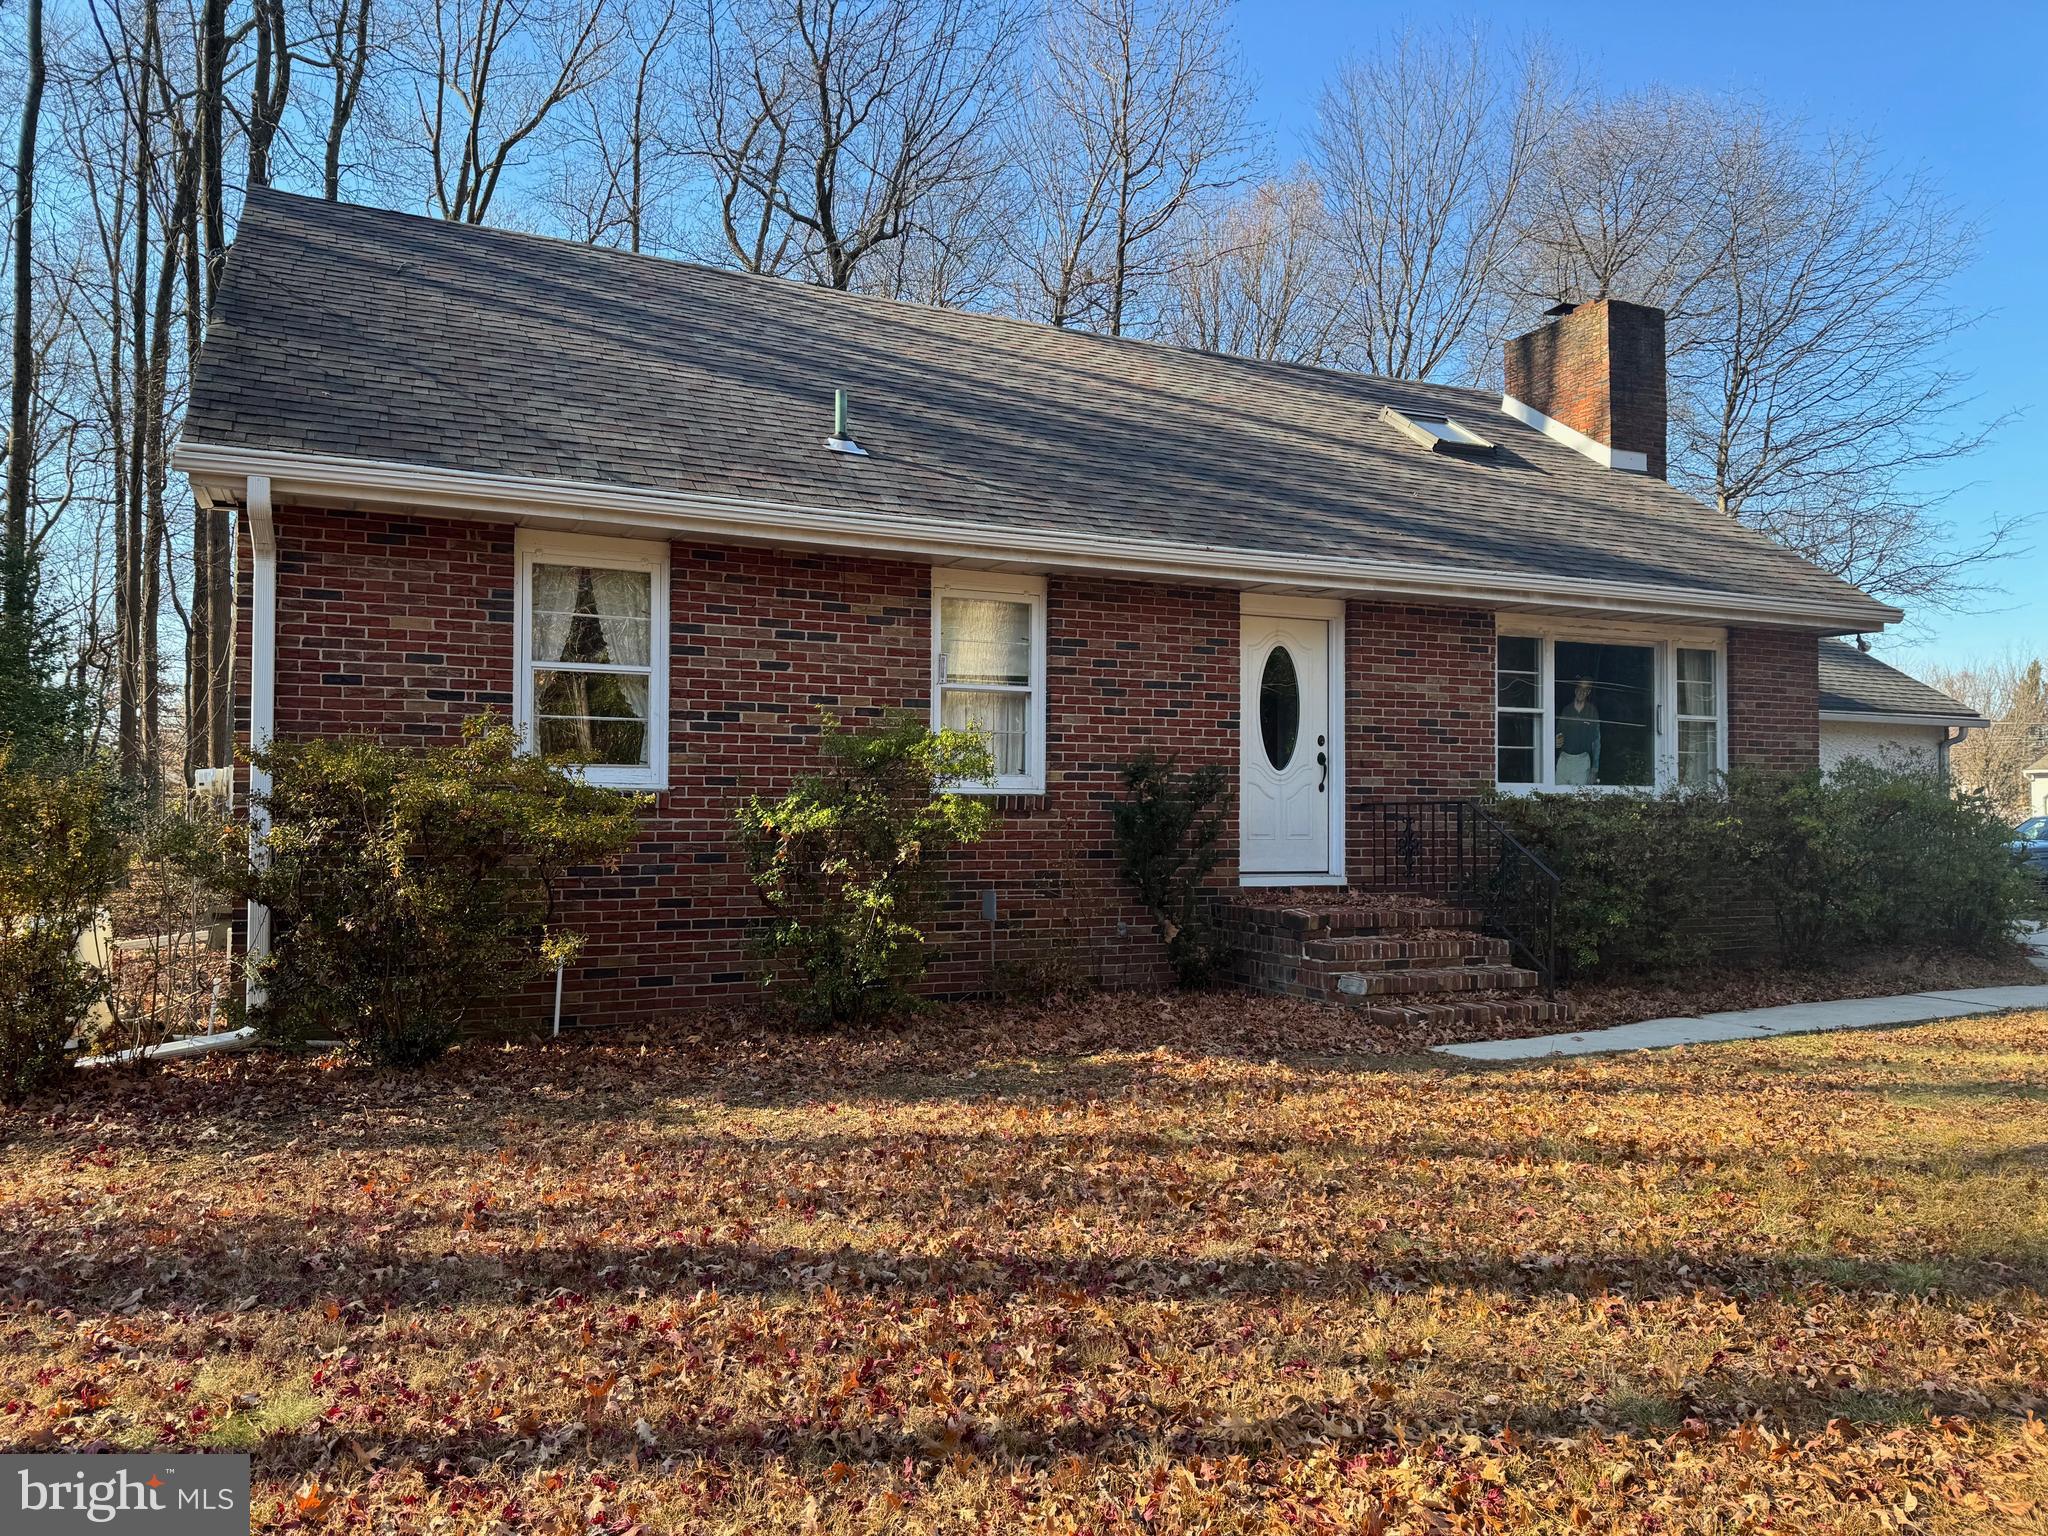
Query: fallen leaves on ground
pixel 955 1279
pixel 1723 989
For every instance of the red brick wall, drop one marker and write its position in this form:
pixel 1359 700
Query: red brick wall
pixel 401 628
pixel 1773 699
pixel 1418 713
pixel 1600 370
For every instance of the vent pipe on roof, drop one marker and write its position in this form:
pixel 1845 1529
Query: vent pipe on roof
pixel 841 441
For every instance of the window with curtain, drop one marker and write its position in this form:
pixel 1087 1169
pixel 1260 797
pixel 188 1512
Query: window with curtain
pixel 592 689
pixel 1699 716
pixel 989 671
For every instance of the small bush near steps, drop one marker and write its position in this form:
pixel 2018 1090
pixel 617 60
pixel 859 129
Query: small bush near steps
pixel 1169 832
pixel 848 863
pixel 412 891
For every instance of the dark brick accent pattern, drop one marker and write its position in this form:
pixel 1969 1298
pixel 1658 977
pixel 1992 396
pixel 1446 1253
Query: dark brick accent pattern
pixel 401 628
pixel 1418 706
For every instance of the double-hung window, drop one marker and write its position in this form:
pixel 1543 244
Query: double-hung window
pixel 988 670
pixel 1699 714
pixel 592 685
pixel 1593 709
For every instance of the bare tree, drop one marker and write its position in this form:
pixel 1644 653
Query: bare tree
pixel 2011 691
pixel 1621 205
pixel 1808 323
pixel 337 42
pixel 270 88
pixel 955 252
pixel 1137 113
pixel 1819 385
pixel 1257 279
pixel 1425 153
pixel 826 126
pixel 486 76
pixel 618 177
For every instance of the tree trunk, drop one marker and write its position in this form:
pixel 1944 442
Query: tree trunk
pixel 130 620
pixel 14 602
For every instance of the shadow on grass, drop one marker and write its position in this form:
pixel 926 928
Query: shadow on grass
pixel 287 1268
pixel 1141 1432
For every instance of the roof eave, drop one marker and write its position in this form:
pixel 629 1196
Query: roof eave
pixel 223 470
pixel 1900 717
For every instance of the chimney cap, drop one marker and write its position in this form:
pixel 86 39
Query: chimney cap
pixel 1560 308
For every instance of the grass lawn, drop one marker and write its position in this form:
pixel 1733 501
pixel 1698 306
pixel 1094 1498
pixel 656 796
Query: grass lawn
pixel 991 1275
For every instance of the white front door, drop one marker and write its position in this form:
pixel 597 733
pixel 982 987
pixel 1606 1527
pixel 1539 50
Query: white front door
pixel 1286 777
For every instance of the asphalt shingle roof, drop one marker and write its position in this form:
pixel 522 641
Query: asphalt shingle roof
pixel 1854 681
pixel 359 333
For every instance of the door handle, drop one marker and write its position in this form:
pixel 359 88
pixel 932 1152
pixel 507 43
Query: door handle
pixel 1323 764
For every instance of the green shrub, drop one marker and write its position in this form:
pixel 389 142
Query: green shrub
pixel 1867 856
pixel 1638 874
pixel 62 853
pixel 1169 828
pixel 848 865
pixel 410 891
pixel 1862 857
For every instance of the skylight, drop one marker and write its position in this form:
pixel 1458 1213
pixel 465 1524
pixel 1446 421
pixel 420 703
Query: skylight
pixel 1439 434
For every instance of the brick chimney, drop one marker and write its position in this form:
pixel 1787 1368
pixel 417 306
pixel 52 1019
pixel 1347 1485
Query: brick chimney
pixel 1597 369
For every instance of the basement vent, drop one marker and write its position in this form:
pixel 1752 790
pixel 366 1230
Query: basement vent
pixel 1439 434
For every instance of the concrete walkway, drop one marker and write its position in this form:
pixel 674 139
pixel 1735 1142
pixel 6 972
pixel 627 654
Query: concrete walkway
pixel 1762 1023
pixel 2036 939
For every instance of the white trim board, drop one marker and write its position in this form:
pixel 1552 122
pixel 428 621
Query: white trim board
pixel 1624 459
pixel 630 511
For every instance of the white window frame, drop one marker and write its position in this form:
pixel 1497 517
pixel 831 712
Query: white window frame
pixel 1719 718
pixel 1006 588
pixel 1666 643
pixel 538 547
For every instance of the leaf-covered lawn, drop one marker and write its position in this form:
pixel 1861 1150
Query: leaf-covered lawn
pixel 990 1276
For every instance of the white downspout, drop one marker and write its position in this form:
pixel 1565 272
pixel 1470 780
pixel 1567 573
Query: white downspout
pixel 262 699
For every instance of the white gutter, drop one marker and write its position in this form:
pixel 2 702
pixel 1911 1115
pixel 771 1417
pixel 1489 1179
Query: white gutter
pixel 321 479
pixel 1870 717
pixel 262 700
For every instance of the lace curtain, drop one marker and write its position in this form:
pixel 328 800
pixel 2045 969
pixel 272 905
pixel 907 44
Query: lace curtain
pixel 616 600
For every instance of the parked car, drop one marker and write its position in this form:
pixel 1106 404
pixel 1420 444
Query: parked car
pixel 2030 844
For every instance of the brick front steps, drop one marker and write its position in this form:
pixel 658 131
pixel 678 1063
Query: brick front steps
pixel 1399 962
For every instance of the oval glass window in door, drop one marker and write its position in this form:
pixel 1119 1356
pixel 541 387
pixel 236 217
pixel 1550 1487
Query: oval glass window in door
pixel 1279 707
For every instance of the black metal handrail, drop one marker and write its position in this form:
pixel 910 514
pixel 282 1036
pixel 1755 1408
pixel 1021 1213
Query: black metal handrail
pixel 1458 852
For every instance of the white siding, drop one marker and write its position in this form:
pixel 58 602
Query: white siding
pixel 1839 740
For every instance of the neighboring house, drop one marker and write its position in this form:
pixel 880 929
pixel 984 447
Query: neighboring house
pixel 477 470
pixel 1875 711
pixel 2037 787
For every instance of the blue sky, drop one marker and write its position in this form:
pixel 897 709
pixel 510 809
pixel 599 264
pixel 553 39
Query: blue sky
pixel 1963 95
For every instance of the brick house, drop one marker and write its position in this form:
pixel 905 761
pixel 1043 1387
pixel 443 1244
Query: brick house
pixel 608 496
